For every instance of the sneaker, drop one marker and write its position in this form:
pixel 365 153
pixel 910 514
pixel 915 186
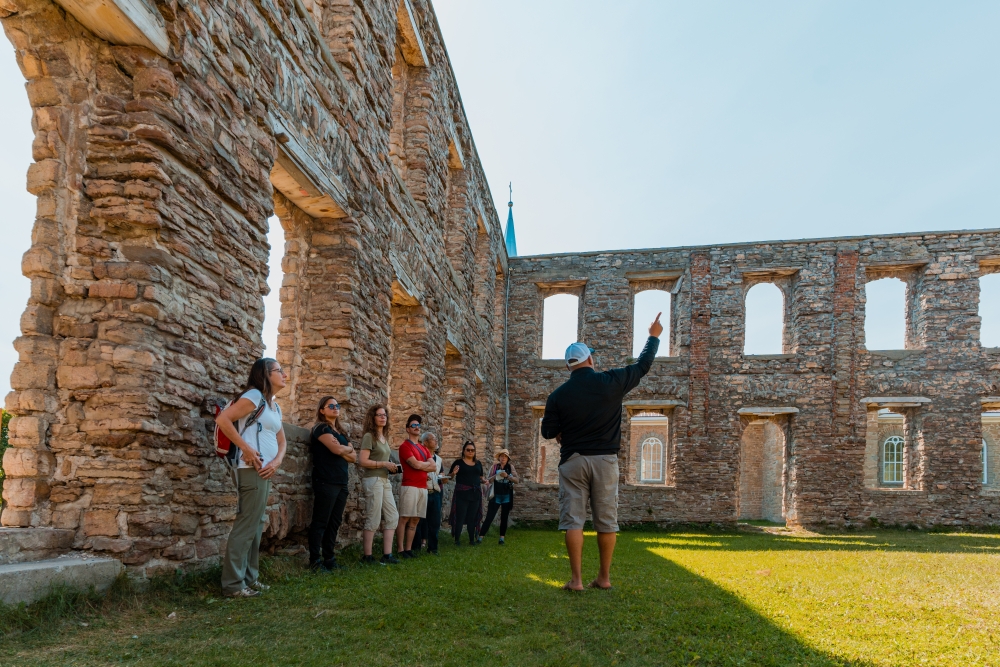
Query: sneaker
pixel 502 542
pixel 257 586
pixel 369 560
pixel 479 538
pixel 458 543
pixel 243 593
pixel 389 559
pixel 406 554
pixel 316 566
pixel 331 565
pixel 433 553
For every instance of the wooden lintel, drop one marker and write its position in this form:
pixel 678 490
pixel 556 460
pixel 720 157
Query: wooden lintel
pixel 410 42
pixel 127 22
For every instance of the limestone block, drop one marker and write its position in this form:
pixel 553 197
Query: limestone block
pixel 100 522
pixel 78 377
pixel 24 492
pixel 23 462
pixel 14 517
pixel 27 431
pixel 27 582
pixel 117 493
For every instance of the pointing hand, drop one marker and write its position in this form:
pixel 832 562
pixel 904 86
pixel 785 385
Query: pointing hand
pixel 655 329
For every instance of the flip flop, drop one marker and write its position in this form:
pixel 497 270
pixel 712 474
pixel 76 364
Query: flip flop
pixel 594 584
pixel 566 587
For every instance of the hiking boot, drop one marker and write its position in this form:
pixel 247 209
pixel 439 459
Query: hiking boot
pixel 389 559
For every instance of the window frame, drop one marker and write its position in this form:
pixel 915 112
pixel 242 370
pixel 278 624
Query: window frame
pixel 898 459
pixel 643 479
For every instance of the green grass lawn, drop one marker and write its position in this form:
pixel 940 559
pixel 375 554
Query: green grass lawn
pixel 694 597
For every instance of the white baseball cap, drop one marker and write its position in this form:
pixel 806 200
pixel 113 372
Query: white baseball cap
pixel 577 353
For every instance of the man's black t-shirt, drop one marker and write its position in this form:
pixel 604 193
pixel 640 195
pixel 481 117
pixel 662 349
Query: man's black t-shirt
pixel 328 468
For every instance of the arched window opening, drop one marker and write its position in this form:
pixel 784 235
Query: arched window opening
pixel 559 324
pixel 885 314
pixel 19 208
pixel 892 460
pixel 989 310
pixel 272 301
pixel 651 469
pixel 764 320
pixel 647 304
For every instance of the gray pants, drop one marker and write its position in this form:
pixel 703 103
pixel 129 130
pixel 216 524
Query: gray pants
pixel 589 481
pixel 240 566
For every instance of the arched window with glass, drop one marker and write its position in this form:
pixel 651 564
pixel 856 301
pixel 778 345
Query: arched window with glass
pixel 892 460
pixel 651 469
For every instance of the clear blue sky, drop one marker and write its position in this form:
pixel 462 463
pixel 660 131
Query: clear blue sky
pixel 644 124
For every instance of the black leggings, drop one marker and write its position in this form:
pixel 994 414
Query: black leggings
pixel 328 513
pixel 491 514
pixel 466 511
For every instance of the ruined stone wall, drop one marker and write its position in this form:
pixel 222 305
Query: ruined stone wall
pixel 820 380
pixel 155 176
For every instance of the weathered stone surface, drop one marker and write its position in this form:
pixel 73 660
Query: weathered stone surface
pixel 720 465
pixel 27 582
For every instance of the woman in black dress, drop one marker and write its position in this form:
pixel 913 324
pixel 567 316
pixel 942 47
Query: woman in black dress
pixel 331 452
pixel 467 503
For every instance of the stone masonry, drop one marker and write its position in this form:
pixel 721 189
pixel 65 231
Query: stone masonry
pixel 168 132
pixel 794 436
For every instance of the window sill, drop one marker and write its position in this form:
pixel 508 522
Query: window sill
pixel 646 486
pixel 991 350
pixel 895 491
pixel 894 354
pixel 991 492
pixel 550 363
pixel 769 357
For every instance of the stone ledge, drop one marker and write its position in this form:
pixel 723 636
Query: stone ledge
pixel 550 363
pixel 893 354
pixel 768 411
pixel 768 357
pixel 896 492
pixel 18 545
pixel 27 582
pixel 895 401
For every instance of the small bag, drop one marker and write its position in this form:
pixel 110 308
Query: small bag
pixel 224 447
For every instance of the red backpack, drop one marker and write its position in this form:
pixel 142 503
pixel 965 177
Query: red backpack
pixel 224 447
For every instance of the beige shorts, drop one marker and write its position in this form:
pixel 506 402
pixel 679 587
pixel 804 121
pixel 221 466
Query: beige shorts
pixel 589 481
pixel 412 501
pixel 379 504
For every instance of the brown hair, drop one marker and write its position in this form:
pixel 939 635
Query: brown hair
pixel 321 418
pixel 369 424
pixel 259 378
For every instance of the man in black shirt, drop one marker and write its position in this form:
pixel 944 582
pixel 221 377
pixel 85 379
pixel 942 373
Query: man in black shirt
pixel 584 414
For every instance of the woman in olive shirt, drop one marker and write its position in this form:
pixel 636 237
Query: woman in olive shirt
pixel 380 506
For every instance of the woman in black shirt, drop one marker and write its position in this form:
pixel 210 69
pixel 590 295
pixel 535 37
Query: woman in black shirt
pixel 331 452
pixel 467 503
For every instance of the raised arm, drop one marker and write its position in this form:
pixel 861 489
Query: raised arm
pixel 632 374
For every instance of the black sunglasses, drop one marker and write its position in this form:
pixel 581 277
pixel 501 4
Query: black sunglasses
pixel 333 406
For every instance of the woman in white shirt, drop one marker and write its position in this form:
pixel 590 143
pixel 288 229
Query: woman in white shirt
pixel 262 448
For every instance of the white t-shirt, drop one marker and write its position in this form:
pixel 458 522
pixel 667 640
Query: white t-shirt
pixel 262 434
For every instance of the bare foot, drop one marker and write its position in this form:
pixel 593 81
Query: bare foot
pixel 605 586
pixel 570 586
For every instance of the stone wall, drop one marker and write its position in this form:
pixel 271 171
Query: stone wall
pixel 819 381
pixel 156 173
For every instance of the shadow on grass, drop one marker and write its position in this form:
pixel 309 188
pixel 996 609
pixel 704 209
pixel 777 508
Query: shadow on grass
pixel 661 613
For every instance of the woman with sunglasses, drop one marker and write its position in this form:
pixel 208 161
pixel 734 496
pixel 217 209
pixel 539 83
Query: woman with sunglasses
pixel 331 452
pixel 467 503
pixel 262 449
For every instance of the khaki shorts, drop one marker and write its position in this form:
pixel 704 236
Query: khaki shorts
pixel 379 504
pixel 589 481
pixel 413 501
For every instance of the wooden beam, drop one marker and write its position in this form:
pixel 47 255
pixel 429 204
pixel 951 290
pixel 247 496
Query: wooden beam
pixel 128 22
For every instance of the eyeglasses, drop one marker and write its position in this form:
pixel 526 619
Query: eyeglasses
pixel 381 414
pixel 278 370
pixel 413 425
pixel 333 406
